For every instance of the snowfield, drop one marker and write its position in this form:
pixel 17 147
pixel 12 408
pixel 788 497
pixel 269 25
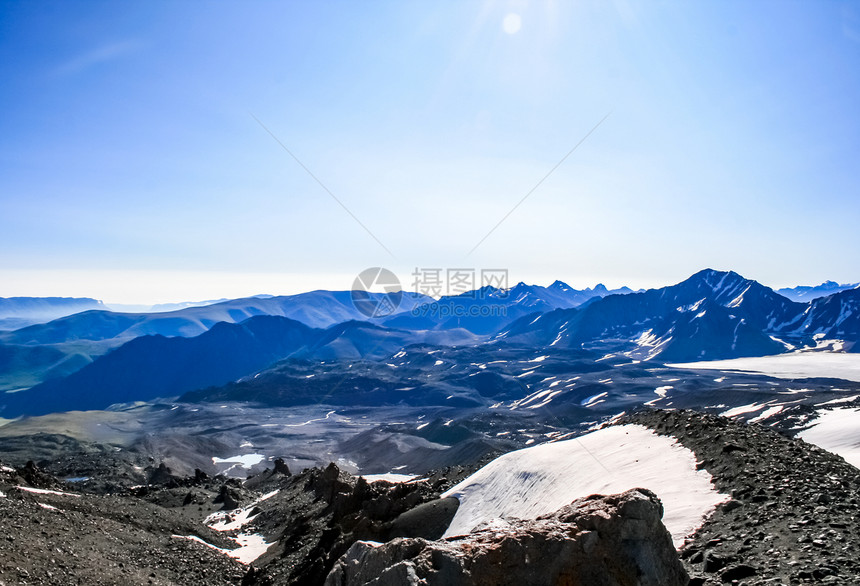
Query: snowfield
pixel 539 480
pixel 790 366
pixel 837 431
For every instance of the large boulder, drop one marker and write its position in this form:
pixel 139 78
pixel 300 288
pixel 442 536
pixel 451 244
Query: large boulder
pixel 616 540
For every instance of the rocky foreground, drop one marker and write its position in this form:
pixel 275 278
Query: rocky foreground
pixel 794 518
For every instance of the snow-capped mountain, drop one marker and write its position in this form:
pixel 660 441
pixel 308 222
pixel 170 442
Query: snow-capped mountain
pixel 559 295
pixel 711 315
pixel 834 319
pixel 488 309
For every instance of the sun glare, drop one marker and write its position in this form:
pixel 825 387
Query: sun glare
pixel 512 23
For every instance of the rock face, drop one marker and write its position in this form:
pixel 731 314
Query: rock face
pixel 616 540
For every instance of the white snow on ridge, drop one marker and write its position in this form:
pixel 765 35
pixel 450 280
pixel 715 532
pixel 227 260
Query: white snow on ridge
pixel 541 479
pixel 838 431
pixel 794 365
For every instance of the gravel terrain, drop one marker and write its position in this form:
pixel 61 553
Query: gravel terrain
pixel 794 517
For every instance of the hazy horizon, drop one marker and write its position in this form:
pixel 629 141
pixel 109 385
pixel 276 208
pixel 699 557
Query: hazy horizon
pixel 197 288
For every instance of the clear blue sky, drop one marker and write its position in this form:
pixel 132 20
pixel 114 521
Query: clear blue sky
pixel 132 169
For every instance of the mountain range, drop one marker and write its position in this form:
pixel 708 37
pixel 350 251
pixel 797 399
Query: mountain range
pixel 711 315
pixel 807 293
pixel 46 351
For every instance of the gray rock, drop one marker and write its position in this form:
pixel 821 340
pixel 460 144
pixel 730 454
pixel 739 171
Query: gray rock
pixel 616 540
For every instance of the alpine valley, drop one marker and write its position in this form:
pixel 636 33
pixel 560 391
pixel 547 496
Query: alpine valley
pixel 294 440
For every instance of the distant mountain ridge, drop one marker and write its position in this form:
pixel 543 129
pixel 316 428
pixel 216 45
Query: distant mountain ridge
pixel 315 309
pixel 157 366
pixel 19 312
pixel 486 310
pixel 42 351
pixel 806 293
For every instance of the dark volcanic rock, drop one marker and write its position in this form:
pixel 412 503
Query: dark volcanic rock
pixel 598 540
pixel 162 475
pixel 794 516
pixel 281 467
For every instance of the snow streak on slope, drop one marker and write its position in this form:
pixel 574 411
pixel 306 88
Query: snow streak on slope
pixel 795 365
pixel 837 431
pixel 540 480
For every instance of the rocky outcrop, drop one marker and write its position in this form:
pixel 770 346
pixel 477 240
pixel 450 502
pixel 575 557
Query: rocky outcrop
pixel 614 540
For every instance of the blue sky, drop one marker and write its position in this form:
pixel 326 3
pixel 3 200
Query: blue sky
pixel 132 168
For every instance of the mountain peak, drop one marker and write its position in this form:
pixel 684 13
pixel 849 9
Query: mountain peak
pixel 716 280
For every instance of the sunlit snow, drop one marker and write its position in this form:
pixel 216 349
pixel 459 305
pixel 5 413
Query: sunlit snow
pixel 251 546
pixel 392 477
pixel 246 461
pixel 794 365
pixel 539 480
pixel 838 431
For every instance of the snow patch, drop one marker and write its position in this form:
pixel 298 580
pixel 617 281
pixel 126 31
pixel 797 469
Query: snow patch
pixel 590 400
pixel 790 366
pixel 742 409
pixel 837 401
pixel 236 519
pixel 540 480
pixel 392 477
pixel 45 491
pixel 246 460
pixel 251 546
pixel 838 431
pixel 767 413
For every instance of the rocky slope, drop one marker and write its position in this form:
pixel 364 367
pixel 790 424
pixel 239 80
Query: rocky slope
pixel 53 536
pixel 794 518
